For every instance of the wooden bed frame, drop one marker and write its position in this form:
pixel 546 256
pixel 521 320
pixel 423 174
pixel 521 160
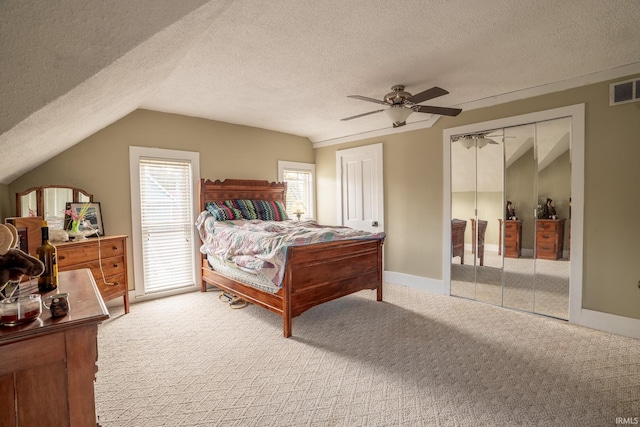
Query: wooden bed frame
pixel 314 274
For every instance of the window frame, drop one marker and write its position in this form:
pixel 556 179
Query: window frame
pixel 301 167
pixel 135 155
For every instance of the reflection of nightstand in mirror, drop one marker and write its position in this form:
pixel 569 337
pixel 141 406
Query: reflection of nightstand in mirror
pixel 110 257
pixel 549 238
pixel 512 238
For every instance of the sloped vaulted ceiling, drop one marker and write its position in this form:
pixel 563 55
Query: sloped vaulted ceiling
pixel 71 67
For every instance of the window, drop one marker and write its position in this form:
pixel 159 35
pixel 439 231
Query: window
pixel 300 187
pixel 162 193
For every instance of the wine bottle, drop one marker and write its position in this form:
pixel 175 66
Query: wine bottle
pixel 47 253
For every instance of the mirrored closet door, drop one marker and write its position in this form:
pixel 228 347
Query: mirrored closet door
pixel 511 216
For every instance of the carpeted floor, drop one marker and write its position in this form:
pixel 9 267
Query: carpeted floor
pixel 416 359
pixel 534 285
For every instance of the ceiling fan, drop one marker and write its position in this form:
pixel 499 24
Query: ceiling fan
pixel 403 104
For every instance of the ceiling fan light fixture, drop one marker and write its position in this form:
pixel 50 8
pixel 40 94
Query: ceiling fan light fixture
pixel 398 114
pixel 467 141
pixel 482 141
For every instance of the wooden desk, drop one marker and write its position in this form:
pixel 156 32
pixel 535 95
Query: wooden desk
pixel 48 366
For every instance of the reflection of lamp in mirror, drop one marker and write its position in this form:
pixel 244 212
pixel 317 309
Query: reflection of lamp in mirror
pixel 299 210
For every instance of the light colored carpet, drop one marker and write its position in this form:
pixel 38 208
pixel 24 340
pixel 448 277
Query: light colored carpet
pixel 416 359
pixel 538 286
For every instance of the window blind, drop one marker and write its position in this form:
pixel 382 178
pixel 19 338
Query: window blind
pixel 166 224
pixel 299 189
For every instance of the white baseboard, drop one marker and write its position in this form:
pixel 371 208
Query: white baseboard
pixel 613 323
pixel 423 283
pixel 606 322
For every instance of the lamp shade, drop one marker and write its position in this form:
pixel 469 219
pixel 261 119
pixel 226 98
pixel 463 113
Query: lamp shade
pixel 398 114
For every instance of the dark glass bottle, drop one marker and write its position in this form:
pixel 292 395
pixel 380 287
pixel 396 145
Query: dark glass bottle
pixel 48 281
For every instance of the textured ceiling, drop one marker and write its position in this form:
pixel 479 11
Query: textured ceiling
pixel 72 67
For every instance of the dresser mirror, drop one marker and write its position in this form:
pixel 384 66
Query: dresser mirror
pixel 512 186
pixel 49 201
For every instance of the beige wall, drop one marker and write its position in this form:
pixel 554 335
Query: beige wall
pixel 5 204
pixel 413 194
pixel 100 163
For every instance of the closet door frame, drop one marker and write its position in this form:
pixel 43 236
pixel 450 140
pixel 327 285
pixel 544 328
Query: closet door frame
pixel 576 112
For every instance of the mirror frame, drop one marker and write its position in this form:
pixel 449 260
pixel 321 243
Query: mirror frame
pixel 40 197
pixel 577 113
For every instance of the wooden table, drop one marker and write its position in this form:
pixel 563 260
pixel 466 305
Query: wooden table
pixel 48 366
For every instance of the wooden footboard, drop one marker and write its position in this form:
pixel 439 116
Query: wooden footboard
pixel 314 274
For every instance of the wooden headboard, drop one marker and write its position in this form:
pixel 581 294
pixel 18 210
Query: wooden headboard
pixel 232 189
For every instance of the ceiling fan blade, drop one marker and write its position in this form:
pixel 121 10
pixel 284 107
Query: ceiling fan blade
pixel 434 92
pixel 364 98
pixel 360 115
pixel 443 111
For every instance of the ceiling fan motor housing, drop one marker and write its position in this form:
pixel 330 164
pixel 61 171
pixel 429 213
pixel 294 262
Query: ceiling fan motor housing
pixel 397 96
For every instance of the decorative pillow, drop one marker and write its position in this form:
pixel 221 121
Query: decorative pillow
pixel 269 210
pixel 246 207
pixel 265 210
pixel 222 212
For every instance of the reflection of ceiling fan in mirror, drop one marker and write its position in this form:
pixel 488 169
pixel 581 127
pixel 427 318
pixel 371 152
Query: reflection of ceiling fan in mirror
pixel 479 140
pixel 403 104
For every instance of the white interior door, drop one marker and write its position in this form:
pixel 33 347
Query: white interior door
pixel 360 188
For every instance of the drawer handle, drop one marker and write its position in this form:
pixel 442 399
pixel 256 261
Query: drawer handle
pixel 62 257
pixel 115 265
pixel 507 235
pixel 546 247
pixel 545 236
pixel 115 248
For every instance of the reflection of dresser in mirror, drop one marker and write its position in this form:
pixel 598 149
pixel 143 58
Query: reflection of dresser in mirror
pixel 512 238
pixel 549 238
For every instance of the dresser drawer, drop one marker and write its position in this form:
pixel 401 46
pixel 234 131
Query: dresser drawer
pixel 510 237
pixel 546 237
pixel 551 226
pixel 115 286
pixel 512 226
pixel 81 252
pixel 510 247
pixel 110 266
pixel 547 248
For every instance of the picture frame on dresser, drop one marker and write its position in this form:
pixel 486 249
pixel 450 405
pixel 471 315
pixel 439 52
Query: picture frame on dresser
pixel 93 214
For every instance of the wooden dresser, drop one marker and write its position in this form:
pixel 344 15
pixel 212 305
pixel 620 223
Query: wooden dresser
pixel 48 366
pixel 512 238
pixel 112 251
pixel 549 238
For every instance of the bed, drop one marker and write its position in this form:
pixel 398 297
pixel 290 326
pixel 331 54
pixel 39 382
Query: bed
pixel 314 273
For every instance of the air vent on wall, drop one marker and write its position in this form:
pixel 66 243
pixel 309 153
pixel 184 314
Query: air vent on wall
pixel 624 92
